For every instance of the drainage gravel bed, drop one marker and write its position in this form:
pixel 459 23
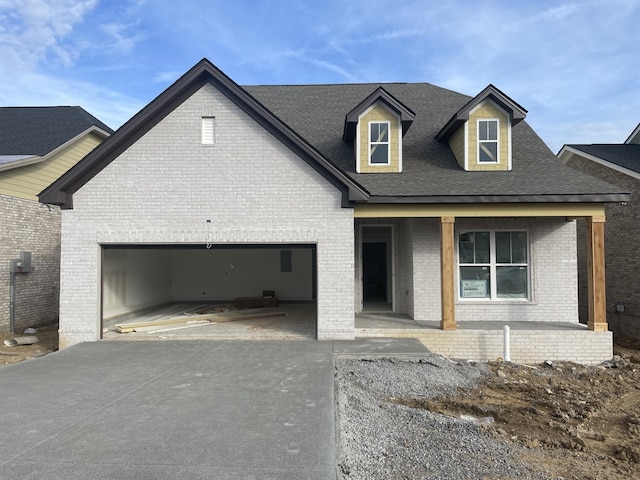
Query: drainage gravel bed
pixel 379 438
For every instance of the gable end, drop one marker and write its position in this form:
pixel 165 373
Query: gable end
pixel 61 191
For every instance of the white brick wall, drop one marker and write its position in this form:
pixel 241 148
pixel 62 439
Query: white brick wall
pixel 554 274
pixel 527 346
pixel 165 187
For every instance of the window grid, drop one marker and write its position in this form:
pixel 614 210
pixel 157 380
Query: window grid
pixel 488 147
pixel 485 272
pixel 379 145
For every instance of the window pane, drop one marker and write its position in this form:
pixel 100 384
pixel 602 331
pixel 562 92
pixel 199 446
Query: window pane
pixel 380 153
pixel 493 130
pixel 384 133
pixel 519 247
pixel 475 282
pixel 503 247
pixel 482 247
pixel 512 282
pixel 483 131
pixel 488 152
pixel 466 248
pixel 379 132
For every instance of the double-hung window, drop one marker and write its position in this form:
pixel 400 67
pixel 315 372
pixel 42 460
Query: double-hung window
pixel 379 143
pixel 493 265
pixel 487 141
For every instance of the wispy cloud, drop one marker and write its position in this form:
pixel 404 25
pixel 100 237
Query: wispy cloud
pixel 122 37
pixel 570 63
pixel 32 31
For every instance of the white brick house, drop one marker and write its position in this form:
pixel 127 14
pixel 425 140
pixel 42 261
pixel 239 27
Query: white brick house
pixel 398 197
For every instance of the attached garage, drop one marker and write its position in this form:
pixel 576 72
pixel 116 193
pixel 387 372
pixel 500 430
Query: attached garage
pixel 141 278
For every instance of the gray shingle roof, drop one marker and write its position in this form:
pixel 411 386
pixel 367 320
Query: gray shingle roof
pixel 317 113
pixel 39 130
pixel 627 156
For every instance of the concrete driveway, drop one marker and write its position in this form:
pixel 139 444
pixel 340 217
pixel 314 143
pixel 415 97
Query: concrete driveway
pixel 177 409
pixel 166 410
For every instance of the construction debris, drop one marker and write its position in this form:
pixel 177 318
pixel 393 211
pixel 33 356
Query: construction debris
pixel 12 342
pixel 188 320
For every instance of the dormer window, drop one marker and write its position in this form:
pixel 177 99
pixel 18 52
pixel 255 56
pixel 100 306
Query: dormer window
pixel 375 128
pixel 479 133
pixel 488 141
pixel 379 143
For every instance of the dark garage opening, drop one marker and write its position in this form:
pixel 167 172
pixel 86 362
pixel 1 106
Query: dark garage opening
pixel 139 280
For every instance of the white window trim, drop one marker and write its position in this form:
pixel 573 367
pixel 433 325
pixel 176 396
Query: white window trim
pixel 492 264
pixel 387 143
pixel 496 141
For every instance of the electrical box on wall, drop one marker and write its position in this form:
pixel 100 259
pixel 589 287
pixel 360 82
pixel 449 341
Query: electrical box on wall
pixel 22 265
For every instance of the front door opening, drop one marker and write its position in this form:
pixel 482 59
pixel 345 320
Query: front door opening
pixel 377 288
pixel 374 272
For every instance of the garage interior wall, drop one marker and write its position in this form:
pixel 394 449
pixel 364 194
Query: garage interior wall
pixel 139 278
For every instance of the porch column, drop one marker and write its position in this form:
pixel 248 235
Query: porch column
pixel 447 281
pixel 595 272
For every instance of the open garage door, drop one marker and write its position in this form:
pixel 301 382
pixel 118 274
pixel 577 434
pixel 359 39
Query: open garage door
pixel 142 281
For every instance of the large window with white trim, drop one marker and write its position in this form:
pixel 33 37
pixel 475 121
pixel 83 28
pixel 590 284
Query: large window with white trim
pixel 493 265
pixel 487 141
pixel 379 143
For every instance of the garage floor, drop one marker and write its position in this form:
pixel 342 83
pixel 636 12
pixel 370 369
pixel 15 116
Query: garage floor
pixel 299 322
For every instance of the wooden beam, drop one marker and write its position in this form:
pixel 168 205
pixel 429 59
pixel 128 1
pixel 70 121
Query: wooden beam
pixel 596 278
pixel 478 210
pixel 447 282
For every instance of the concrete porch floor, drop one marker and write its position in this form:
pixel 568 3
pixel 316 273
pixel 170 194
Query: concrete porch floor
pixel 530 342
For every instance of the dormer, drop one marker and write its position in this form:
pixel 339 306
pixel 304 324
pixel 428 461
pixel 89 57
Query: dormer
pixel 375 127
pixel 479 134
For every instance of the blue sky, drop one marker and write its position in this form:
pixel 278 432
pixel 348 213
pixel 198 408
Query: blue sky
pixel 575 66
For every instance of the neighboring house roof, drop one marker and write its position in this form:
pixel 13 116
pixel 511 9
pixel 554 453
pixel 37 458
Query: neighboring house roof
pixel 623 155
pixel 38 130
pixel 310 120
pixel 29 134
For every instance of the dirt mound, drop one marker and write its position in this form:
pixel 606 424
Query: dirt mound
pixel 577 422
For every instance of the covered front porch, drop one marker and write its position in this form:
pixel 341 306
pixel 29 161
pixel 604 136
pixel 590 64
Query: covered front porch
pixel 417 286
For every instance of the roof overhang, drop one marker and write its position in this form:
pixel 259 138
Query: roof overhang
pixel 61 191
pixel 379 95
pixel 515 111
pixel 497 199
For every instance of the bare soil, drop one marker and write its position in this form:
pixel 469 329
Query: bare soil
pixel 577 422
pixel 47 343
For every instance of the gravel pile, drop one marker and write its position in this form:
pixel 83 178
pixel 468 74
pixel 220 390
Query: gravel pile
pixel 380 439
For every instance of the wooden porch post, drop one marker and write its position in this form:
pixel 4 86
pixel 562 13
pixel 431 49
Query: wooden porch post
pixel 595 271
pixel 447 281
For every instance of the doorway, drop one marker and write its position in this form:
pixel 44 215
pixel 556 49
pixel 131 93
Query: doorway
pixel 377 268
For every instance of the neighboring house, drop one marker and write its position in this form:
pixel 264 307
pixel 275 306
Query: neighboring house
pixel 37 145
pixel 402 197
pixel 618 164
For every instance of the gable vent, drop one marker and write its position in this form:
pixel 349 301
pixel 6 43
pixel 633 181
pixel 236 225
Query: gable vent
pixel 208 131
